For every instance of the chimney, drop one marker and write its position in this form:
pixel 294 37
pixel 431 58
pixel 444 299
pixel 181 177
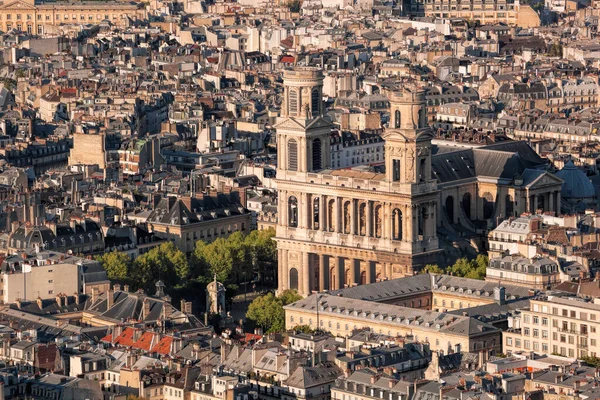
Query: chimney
pixel 77 299
pixel 182 306
pixel 373 379
pixel 117 287
pixel 59 300
pixel 500 295
pixel 94 294
pixel 126 288
pixel 110 297
pixel 39 303
pixel 18 303
pixel 392 383
pixel 145 308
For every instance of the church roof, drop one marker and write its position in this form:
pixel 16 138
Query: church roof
pixel 576 184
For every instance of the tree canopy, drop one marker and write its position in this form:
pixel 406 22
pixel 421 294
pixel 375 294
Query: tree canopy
pixel 267 311
pixel 233 260
pixel 474 269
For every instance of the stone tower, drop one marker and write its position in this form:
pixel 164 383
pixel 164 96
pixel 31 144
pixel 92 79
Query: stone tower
pixel 340 228
pixel 303 135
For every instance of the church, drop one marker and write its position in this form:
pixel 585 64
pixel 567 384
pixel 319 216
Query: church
pixel 345 227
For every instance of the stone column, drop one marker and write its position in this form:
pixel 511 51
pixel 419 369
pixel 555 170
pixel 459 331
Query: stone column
pixel 410 231
pixel 323 213
pixel 339 215
pixel 404 223
pixel 550 202
pixel 386 222
pixel 305 278
pixel 283 217
pixel 279 271
pixel 323 270
pixel 340 272
pixel 283 269
pixel 558 201
pixel 369 216
pixel 353 217
pixel 535 203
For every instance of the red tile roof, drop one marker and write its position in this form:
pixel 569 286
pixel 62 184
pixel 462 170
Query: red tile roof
pixel 107 338
pixel 125 338
pixel 164 346
pixel 145 341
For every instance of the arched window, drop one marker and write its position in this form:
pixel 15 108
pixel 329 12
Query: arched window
pixel 316 155
pixel 331 220
pixel 293 279
pixel 316 102
pixel 293 98
pixel 397 224
pixel 292 155
pixel 378 221
pixel 293 212
pixel 397 119
pixel 316 213
pixel 362 219
pixel 347 217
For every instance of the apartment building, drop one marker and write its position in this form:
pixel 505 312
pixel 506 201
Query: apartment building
pixel 557 325
pixel 510 12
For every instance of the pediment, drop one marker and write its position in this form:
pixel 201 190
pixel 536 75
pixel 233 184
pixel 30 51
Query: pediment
pixel 319 123
pixel 545 179
pixel 19 5
pixel 289 123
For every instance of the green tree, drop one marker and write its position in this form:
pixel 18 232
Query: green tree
pixel 267 311
pixel 294 5
pixel 263 253
pixel 556 50
pixel 474 269
pixel 116 264
pixel 217 257
pixel 432 269
pixel 166 263
pixel 591 360
pixel 289 296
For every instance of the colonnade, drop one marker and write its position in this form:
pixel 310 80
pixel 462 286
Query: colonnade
pixel 368 218
pixel 318 272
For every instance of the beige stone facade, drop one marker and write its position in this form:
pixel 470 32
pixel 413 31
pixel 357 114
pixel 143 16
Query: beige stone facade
pixel 557 325
pixel 341 228
pixel 510 12
pixel 445 332
pixel 38 18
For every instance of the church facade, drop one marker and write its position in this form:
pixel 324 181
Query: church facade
pixel 340 228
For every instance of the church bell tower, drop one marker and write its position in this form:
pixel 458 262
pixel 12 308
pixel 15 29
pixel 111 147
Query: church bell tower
pixel 303 135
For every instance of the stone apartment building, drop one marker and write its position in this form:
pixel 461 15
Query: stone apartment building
pixel 560 325
pixel 187 220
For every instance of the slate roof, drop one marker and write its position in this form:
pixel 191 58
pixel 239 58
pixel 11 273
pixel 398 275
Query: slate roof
pixel 307 377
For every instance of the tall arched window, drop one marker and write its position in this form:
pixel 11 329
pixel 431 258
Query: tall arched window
pixel 397 119
pixel 293 279
pixel 292 155
pixel 316 213
pixel 362 219
pixel 293 98
pixel 293 212
pixel 378 221
pixel 316 155
pixel 331 217
pixel 347 217
pixel 316 102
